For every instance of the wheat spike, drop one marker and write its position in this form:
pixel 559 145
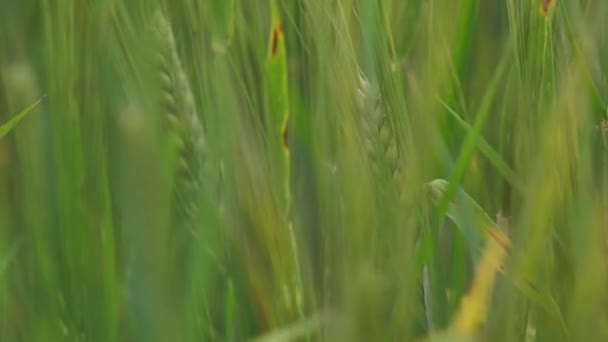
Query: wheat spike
pixel 187 146
pixel 377 133
pixel 184 123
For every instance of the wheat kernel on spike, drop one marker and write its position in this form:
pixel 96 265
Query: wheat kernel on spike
pixel 391 153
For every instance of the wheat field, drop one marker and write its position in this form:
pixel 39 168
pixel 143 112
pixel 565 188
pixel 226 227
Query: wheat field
pixel 303 170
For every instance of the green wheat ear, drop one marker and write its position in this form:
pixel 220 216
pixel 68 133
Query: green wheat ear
pixel 376 131
pixel 185 131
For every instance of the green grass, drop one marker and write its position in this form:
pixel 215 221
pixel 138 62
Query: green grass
pixel 306 170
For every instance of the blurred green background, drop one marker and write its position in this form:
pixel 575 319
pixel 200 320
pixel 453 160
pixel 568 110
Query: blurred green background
pixel 304 170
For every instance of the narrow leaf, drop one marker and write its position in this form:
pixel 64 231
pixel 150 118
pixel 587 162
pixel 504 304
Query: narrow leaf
pixel 7 127
pixel 470 217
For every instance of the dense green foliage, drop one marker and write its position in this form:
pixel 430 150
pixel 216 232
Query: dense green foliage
pixel 278 170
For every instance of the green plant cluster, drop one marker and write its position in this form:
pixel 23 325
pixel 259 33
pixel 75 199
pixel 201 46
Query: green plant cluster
pixel 303 170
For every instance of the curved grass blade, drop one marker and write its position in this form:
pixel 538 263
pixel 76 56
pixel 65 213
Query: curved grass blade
pixel 470 217
pixel 467 214
pixel 472 138
pixel 487 150
pixel 7 127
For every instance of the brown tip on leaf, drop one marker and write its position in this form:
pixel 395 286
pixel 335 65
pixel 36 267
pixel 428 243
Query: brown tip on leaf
pixel 545 7
pixel 285 136
pixel 276 32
